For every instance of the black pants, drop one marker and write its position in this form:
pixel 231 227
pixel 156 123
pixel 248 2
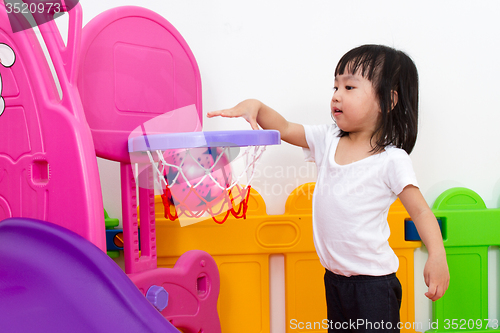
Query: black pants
pixel 362 303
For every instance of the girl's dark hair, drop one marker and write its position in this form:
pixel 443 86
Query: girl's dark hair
pixel 389 70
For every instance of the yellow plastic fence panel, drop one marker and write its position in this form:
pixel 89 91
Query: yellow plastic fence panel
pixel 304 288
pixel 241 249
pixel 245 289
pixel 305 293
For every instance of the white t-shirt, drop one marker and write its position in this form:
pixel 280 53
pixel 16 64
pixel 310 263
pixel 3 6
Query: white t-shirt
pixel 351 202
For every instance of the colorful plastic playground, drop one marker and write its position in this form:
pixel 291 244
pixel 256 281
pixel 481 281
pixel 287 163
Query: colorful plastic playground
pixel 125 68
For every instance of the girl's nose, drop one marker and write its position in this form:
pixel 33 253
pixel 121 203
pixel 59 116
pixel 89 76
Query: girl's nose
pixel 336 97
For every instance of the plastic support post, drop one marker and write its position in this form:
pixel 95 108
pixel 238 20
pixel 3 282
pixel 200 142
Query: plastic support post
pixel 135 261
pixel 147 216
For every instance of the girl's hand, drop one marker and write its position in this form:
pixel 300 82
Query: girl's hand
pixel 436 277
pixel 436 274
pixel 257 113
pixel 248 109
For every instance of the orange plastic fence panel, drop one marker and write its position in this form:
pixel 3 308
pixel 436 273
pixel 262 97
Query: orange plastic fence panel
pixel 304 289
pixel 241 249
pixel 405 252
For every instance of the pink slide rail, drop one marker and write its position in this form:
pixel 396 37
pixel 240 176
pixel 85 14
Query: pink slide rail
pixel 128 66
pixel 48 168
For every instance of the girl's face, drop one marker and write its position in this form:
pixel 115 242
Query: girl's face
pixel 355 105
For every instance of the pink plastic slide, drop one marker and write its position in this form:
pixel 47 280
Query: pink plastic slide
pixel 58 281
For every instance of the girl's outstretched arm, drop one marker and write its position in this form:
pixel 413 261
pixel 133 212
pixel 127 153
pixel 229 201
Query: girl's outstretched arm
pixel 257 113
pixel 436 274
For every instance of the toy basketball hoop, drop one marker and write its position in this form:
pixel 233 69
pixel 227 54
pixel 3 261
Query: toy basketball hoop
pixel 204 173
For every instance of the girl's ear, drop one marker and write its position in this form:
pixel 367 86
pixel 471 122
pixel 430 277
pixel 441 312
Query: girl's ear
pixel 394 99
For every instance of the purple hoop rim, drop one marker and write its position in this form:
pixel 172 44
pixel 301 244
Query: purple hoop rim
pixel 187 140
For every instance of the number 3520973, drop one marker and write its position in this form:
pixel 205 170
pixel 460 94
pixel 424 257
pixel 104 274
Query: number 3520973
pixel 33 8
pixel 470 324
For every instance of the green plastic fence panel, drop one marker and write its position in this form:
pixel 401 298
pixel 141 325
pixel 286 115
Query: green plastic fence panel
pixel 110 222
pixel 469 228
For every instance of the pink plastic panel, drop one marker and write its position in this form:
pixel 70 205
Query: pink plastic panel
pixel 193 286
pixel 135 66
pixel 48 168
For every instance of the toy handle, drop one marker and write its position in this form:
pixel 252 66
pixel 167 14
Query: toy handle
pixel 64 58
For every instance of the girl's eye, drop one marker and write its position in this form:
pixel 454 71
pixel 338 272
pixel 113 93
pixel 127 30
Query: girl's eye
pixel 349 87
pixel 335 89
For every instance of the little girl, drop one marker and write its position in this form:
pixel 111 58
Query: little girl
pixel 363 166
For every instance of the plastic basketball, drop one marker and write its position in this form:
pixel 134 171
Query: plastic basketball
pixel 204 175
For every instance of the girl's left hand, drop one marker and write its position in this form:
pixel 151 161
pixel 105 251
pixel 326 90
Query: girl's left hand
pixel 436 276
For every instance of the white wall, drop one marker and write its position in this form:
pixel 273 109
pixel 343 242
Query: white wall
pixel 284 53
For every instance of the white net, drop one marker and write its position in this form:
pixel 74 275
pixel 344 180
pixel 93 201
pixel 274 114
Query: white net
pixel 202 181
